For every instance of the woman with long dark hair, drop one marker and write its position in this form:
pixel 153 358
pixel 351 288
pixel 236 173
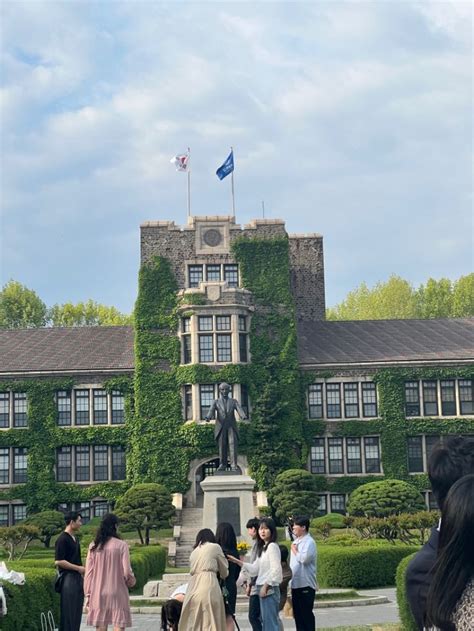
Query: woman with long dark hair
pixel 225 537
pixel 108 577
pixel 450 605
pixel 267 569
pixel 203 607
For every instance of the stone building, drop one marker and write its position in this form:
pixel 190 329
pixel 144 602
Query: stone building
pixel 86 411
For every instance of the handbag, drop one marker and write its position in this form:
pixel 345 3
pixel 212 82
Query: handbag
pixel 58 582
pixel 47 622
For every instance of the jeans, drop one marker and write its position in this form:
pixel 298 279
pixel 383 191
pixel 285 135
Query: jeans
pixel 303 602
pixel 269 609
pixel 255 617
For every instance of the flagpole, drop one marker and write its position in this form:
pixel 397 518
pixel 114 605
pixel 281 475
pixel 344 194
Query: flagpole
pixel 232 187
pixel 189 183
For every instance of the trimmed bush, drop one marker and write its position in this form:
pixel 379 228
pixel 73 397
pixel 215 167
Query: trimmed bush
pixel 147 562
pixel 335 520
pixel 293 493
pixel 360 566
pixel 403 607
pixel 385 497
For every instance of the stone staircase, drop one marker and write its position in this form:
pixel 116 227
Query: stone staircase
pixel 191 523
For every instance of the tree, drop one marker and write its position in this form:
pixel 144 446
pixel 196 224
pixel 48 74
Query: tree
pixel 21 307
pixel 463 297
pixel 12 537
pixel 294 492
pixel 145 507
pixel 49 523
pixel 383 498
pixel 435 299
pixel 88 313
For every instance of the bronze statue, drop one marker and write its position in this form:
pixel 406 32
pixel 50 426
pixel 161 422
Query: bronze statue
pixel 226 433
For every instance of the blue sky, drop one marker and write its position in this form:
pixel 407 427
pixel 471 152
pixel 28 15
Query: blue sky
pixel 351 119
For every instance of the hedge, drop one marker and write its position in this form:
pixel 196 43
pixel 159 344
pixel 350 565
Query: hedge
pixel 147 562
pixel 408 623
pixel 335 520
pixel 361 566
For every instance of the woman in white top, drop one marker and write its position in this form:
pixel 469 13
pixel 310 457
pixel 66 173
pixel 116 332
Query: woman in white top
pixel 267 569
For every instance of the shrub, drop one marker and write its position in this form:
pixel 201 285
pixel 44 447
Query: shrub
pixel 16 539
pixel 385 497
pixel 404 611
pixel 409 528
pixel 48 522
pixel 294 493
pixel 26 602
pixel 334 519
pixel 147 562
pixel 360 566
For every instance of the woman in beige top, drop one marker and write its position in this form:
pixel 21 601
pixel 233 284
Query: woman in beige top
pixel 203 607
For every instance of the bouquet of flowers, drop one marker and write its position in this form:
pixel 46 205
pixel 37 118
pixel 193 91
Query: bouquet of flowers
pixel 242 548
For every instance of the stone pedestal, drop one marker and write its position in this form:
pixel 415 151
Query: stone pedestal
pixel 228 498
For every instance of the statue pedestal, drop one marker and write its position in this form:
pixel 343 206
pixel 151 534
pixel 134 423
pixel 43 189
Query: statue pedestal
pixel 228 498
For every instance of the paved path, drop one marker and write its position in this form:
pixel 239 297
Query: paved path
pixel 339 616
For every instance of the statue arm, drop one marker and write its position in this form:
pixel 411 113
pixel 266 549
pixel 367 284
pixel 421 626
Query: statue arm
pixel 240 410
pixel 212 410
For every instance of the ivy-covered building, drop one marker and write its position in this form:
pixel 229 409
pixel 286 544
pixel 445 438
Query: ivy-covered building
pixel 84 412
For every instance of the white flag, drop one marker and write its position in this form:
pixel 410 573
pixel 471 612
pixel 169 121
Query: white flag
pixel 181 162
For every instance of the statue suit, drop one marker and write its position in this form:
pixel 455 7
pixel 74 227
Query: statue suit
pixel 225 432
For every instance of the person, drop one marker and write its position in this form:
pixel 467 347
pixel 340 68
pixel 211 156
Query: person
pixel 108 577
pixel 225 430
pixel 248 582
pixel 303 567
pixel 170 614
pixel 225 537
pixel 287 574
pixel 203 607
pixel 267 569
pixel 179 593
pixel 447 463
pixel 450 600
pixel 68 561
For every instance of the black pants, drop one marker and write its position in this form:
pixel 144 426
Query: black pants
pixel 303 602
pixel 72 600
pixel 255 617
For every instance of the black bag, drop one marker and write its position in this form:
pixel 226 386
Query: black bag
pixel 58 583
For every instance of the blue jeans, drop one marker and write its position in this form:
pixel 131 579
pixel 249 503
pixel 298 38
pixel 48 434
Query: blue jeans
pixel 269 609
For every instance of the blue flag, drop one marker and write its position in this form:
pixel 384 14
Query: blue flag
pixel 226 168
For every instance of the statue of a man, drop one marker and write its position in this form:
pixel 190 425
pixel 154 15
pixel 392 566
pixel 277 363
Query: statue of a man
pixel 226 433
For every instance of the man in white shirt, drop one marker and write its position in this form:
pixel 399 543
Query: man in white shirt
pixel 303 582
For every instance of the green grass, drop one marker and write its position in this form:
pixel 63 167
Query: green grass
pixel 365 627
pixel 350 594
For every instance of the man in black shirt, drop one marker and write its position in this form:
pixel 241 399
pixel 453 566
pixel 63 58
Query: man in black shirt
pixel 68 561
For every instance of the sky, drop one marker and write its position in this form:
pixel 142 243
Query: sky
pixel 350 119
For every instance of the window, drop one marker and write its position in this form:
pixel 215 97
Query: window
pixel 243 347
pixel 82 463
pixel 432 503
pixel 20 462
pixel 338 503
pixel 231 275
pixel 448 398
pixel 100 407
pixel 466 396
pixel 4 409
pixel 353 455
pixel 430 398
pixel 213 272
pixel 187 352
pixel 223 323
pixel 82 407
pixel 372 454
pixel 244 399
pixel 19 512
pixel 19 409
pixel 188 403
pixel 431 442
pixel 336 464
pixel 318 456
pixel 186 325
pixel 3 514
pixel 64 464
pixel 415 454
pixel 369 399
pixel 118 462
pixel 206 348
pixel 205 323
pixel 100 508
pixel 315 400
pixel 4 465
pixel 224 348
pixel 118 407
pixel 195 275
pixel 351 400
pixel 242 323
pixel 63 399
pixel 206 397
pixel 101 462
pixel 85 509
pixel 412 398
pixel 323 505
pixel 333 400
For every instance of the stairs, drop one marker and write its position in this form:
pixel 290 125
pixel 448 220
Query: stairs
pixel 191 523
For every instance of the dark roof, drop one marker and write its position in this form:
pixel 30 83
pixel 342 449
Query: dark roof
pixel 385 341
pixel 60 350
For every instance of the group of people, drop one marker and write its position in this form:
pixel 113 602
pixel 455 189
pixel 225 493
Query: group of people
pixel 208 602
pixel 440 578
pixel 102 584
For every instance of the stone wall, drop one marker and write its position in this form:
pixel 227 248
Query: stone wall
pixel 307 276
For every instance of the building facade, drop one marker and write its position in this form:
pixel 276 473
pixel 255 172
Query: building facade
pixel 84 412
